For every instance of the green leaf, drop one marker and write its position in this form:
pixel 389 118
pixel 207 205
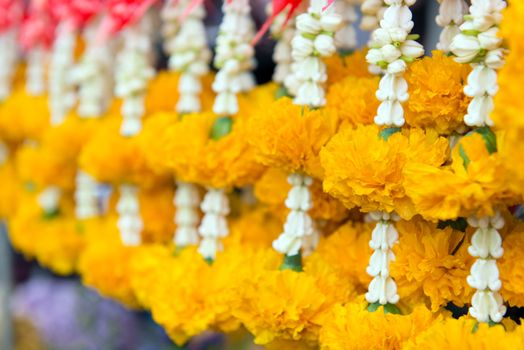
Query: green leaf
pixel 459 224
pixel 221 127
pixel 374 307
pixel 282 92
pixel 292 262
pixel 386 133
pixel 343 53
pixel 209 260
pixel 51 214
pixel 464 156
pixel 391 309
pixel 489 138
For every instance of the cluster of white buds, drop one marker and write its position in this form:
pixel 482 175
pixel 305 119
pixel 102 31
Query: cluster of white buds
pixel 479 44
pixel 233 56
pixel 86 196
pixel 346 37
pixel 282 53
pixel 486 245
pixel 314 39
pixel 8 60
pixel 450 17
pixel 49 199
pixel 186 203
pixel 299 227
pixel 213 227
pixel 372 13
pixel 132 72
pixel 382 288
pixel 189 55
pixel 92 74
pixel 61 87
pixel 129 222
pixel 392 48
pixel 37 59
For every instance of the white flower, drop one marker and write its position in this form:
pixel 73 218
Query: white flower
pixel 392 87
pixel 305 23
pixel 451 11
pixel 330 22
pixel 484 275
pixel 397 67
pixel 465 47
pixel 412 49
pixel 311 68
pixel 486 242
pixel 489 39
pixel 310 93
pixel 486 306
pixel 495 58
pixel 375 56
pixel 302 47
pixel 325 45
pixel 382 290
pixel 479 110
pixel 390 53
pixel 482 80
pixel 397 16
pixel 390 112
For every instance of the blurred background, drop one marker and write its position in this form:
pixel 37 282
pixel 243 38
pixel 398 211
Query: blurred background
pixel 41 311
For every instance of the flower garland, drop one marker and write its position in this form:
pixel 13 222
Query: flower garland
pixel 450 17
pixel 10 19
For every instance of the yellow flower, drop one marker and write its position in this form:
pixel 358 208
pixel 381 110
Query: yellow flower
pixel 340 66
pixel 9 195
pixel 113 158
pixel 436 97
pixel 196 157
pixel 351 326
pixel 23 116
pixel 452 191
pixel 352 98
pixel 255 228
pixel 458 334
pixel 511 267
pixel 508 101
pixel 286 305
pixel 362 169
pixel 347 250
pixel 105 264
pixel 431 265
pixel 287 136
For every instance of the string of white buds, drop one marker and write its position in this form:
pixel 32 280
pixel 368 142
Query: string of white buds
pixel 8 60
pixel 129 222
pixel 346 37
pixel 86 196
pixel 233 56
pixel 189 55
pixel 486 245
pixel 61 88
pixel 382 288
pixel 372 13
pixel 213 227
pixel 314 38
pixel 479 45
pixel 450 17
pixel 284 35
pixel 49 199
pixel 93 75
pixel 392 48
pixel 132 72
pixel 37 59
pixel 299 227
pixel 186 202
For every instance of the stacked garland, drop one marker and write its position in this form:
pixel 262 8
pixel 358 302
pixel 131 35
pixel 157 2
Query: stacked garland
pixel 364 199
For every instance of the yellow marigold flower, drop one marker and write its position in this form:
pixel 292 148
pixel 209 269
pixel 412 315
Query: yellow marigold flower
pixel 511 267
pixel 458 334
pixel 475 182
pixel 352 326
pixel 252 101
pixel 286 305
pixel 255 228
pixel 431 265
pixel 196 157
pixel 362 169
pixel 23 116
pixel 149 259
pixel 352 98
pixel 9 195
pixel 152 140
pixel 105 264
pixel 113 158
pixel 157 212
pixel 340 66
pixel 272 189
pixel 508 101
pixel 436 96
pixel 287 136
pixel 347 250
